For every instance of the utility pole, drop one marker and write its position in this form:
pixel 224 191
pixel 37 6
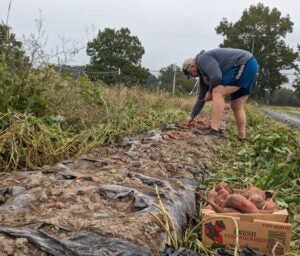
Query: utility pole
pixel 158 87
pixel 195 86
pixel 174 78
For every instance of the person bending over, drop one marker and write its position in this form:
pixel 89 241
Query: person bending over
pixel 222 72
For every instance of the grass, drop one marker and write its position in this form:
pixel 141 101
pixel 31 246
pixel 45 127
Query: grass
pixel 28 141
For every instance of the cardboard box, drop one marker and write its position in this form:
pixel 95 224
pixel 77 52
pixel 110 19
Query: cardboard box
pixel 262 232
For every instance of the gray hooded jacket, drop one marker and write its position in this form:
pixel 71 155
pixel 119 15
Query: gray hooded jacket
pixel 215 63
pixel 212 65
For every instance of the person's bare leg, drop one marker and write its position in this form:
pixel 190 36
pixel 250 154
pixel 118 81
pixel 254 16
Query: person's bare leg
pixel 219 94
pixel 217 110
pixel 238 109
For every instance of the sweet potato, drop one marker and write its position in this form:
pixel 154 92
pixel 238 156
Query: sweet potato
pixel 211 196
pixel 221 196
pixel 251 190
pixel 222 185
pixel 208 206
pixel 238 191
pixel 224 199
pixel 228 209
pixel 240 203
pixel 257 201
pixel 269 205
pixel 58 205
pixel 217 208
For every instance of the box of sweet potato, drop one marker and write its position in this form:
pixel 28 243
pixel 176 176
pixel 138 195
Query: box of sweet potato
pixel 266 233
pixel 245 217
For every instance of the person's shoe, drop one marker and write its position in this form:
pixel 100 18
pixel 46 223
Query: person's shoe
pixel 242 139
pixel 210 131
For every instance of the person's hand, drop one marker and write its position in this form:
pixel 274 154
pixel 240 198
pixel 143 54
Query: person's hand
pixel 188 121
pixel 208 96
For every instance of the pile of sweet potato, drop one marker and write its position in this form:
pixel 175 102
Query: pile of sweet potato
pixel 224 199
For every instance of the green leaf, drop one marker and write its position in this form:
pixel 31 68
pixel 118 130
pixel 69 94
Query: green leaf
pixel 282 203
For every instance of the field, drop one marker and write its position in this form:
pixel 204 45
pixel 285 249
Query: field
pixel 62 163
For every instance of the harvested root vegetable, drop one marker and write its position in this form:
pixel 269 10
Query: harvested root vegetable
pixel 240 203
pixel 257 201
pixel 254 190
pixel 228 209
pixel 270 205
pixel 211 196
pixel 222 185
pixel 58 205
pixel 238 191
pixel 219 209
pixel 221 196
pixel 208 206
pixel 224 199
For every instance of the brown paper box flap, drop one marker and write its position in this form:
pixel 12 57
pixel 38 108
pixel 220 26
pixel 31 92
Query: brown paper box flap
pixel 278 216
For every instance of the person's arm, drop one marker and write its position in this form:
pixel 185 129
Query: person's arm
pixel 212 69
pixel 200 101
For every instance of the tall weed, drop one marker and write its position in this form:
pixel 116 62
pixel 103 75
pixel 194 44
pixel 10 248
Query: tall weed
pixel 78 116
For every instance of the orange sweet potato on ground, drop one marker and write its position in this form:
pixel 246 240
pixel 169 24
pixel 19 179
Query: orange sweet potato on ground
pixel 58 205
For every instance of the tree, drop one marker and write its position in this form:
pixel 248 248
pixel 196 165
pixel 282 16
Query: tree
pixel 284 97
pixel 11 51
pixel 166 76
pixel 14 67
pixel 39 57
pixel 296 85
pixel 262 32
pixel 116 57
pixel 296 82
pixel 151 82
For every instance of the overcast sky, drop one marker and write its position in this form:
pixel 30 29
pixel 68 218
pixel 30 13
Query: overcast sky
pixel 169 30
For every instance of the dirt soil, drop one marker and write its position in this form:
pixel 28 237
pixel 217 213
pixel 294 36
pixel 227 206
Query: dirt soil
pixel 110 191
